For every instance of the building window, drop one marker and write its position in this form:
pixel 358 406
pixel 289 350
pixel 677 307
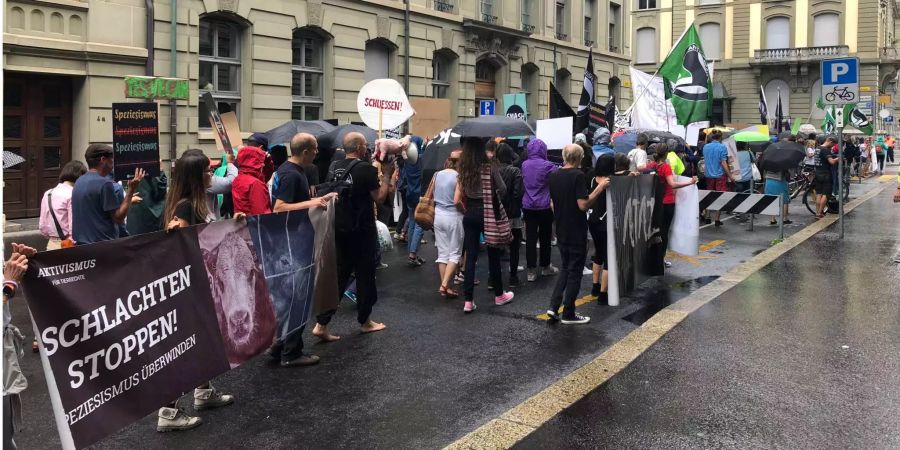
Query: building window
pixel 826 29
pixel 487 11
pixel 220 66
pixel 564 85
pixel 307 72
pixel 646 46
pixel 440 77
pixel 443 5
pixel 615 11
pixel 710 37
pixel 773 90
pixel 778 32
pixel 562 15
pixel 646 4
pixel 589 38
pixel 528 16
pixel 531 87
pixel 710 2
pixel 378 61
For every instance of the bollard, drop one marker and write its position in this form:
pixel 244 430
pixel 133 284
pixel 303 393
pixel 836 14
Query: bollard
pixel 781 213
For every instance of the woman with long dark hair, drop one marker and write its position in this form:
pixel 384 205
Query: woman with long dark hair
pixel 185 206
pixel 470 197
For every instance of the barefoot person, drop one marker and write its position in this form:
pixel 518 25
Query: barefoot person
pixel 290 189
pixel 357 248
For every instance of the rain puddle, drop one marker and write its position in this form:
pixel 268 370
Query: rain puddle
pixel 657 303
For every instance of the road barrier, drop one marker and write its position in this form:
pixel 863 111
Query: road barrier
pixel 741 203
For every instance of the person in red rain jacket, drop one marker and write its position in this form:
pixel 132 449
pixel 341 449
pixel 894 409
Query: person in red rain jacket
pixel 249 190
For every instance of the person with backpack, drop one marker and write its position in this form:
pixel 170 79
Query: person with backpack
pixel 359 185
pixel 512 202
pixel 56 207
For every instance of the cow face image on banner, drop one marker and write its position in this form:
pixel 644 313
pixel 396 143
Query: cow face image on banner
pixel 236 280
pixel 693 85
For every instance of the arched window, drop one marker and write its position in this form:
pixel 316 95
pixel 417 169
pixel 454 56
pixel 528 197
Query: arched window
pixel 646 46
pixel 778 32
pixel 710 37
pixel 220 66
pixel 816 114
pixel 774 89
pixel 485 80
pixel 440 76
pixel 826 30
pixel 531 87
pixel 307 70
pixel 378 61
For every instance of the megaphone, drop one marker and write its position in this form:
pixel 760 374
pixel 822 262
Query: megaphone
pixel 412 153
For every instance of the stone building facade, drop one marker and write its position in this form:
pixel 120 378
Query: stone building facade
pixel 273 60
pixel 777 45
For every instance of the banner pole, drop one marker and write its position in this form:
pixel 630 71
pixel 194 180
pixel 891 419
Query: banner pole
pixel 59 414
pixel 781 213
pixel 841 179
pixel 612 283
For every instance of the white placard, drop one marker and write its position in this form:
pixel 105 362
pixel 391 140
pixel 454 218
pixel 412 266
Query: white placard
pixel 383 104
pixel 653 112
pixel 684 234
pixel 556 133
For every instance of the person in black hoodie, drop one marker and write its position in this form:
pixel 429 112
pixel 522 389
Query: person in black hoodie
pixel 512 203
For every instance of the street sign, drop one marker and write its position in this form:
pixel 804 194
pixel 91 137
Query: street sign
pixel 840 81
pixel 889 119
pixel 884 113
pixel 487 107
pixel 839 118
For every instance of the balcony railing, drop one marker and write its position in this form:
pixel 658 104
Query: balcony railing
pixel 528 28
pixel 562 36
pixel 801 54
pixel 446 7
pixel 487 18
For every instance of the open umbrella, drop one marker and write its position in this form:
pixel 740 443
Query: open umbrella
pixel 750 136
pixel 334 139
pixel 782 155
pixel 438 150
pixel 283 133
pixel 491 126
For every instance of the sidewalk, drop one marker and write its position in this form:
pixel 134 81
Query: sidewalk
pixel 801 354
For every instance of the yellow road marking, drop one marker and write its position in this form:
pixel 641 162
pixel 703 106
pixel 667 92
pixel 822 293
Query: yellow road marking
pixel 884 178
pixel 697 260
pixel 581 301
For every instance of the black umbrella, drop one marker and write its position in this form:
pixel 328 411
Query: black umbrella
pixel 493 126
pixel 782 155
pixel 283 133
pixel 334 139
pixel 438 150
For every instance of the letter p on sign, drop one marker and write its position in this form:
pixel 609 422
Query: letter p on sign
pixel 838 70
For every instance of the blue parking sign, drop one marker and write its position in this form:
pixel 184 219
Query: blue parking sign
pixel 840 80
pixel 486 107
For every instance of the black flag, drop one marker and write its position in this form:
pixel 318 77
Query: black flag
pixel 763 108
pixel 610 112
pixel 587 95
pixel 558 105
pixel 779 119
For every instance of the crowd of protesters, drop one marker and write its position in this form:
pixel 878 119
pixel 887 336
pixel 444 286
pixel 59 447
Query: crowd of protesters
pixel 491 193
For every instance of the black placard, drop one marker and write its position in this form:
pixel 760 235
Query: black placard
pixel 135 139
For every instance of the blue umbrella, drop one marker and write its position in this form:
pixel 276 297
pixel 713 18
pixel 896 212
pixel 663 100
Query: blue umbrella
pixel 625 143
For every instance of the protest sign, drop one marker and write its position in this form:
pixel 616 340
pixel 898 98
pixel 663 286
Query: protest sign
pixel 382 104
pixel 631 202
pixel 135 139
pixel 516 106
pixel 556 133
pixel 129 325
pixel 157 88
pixel 652 111
pixel 226 130
pixel 684 234
pixel 432 116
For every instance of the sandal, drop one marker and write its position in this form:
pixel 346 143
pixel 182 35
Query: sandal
pixel 447 292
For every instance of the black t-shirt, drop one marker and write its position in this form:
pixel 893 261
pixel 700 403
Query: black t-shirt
pixel 290 184
pixel 598 209
pixel 824 167
pixel 364 177
pixel 566 187
pixel 185 211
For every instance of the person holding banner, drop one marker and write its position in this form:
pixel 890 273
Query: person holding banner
pixel 667 179
pixel 186 206
pixel 604 168
pixel 568 191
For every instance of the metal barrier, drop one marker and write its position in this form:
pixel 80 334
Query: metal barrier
pixel 741 203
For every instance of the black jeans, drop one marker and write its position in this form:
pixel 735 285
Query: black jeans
pixel 357 254
pixel 668 216
pixel 538 226
pixel 514 247
pixel 291 347
pixel 473 224
pixel 568 282
pixel 890 154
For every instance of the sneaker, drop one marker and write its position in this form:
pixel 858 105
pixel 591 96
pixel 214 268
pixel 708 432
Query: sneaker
pixel 553 315
pixel 549 270
pixel 175 419
pixel 577 320
pixel 719 223
pixel 513 281
pixel 301 361
pixel 415 262
pixel 532 275
pixel 459 278
pixel 668 263
pixel 587 271
pixel 706 221
pixel 469 307
pixel 381 266
pixel 350 295
pixel 211 398
pixel 595 290
pixel 553 242
pixel 501 300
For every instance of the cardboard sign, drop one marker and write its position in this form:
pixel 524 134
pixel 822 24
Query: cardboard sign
pixel 135 139
pixel 382 104
pixel 556 133
pixel 225 127
pixel 433 115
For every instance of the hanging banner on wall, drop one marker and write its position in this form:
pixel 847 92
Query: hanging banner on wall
pixel 185 307
pixel 135 139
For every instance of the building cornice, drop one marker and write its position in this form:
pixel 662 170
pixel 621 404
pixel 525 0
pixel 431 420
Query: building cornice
pixel 72 50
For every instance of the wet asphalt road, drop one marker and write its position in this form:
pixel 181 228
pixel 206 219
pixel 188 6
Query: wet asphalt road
pixel 432 377
pixel 803 354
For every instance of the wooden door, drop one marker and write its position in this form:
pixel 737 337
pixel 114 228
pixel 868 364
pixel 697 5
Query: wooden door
pixel 37 125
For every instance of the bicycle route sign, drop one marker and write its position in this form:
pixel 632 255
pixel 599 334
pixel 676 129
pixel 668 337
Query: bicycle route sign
pixel 840 81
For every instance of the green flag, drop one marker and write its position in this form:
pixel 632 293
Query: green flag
pixel 857 119
pixel 796 127
pixel 686 79
pixel 829 122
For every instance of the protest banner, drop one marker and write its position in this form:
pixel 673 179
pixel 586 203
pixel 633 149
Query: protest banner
pixel 652 111
pixel 631 202
pixel 684 234
pixel 127 326
pixel 135 139
pixel 556 133
pixel 382 104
